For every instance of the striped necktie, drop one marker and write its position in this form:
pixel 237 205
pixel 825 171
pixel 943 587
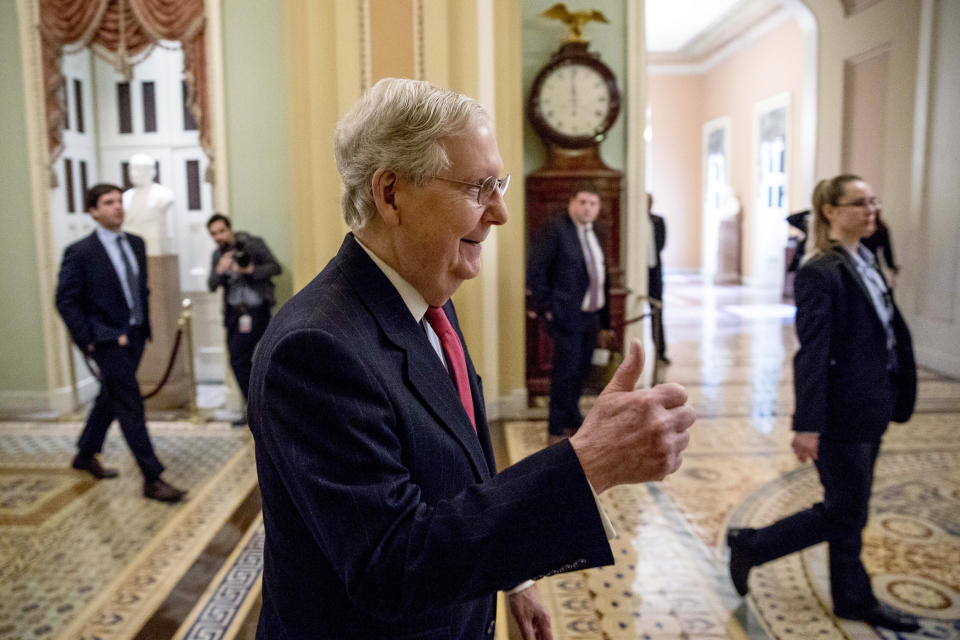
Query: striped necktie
pixel 132 284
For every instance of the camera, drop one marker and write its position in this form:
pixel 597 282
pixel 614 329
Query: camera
pixel 240 255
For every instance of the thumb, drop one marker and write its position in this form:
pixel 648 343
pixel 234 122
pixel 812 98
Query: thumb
pixel 627 374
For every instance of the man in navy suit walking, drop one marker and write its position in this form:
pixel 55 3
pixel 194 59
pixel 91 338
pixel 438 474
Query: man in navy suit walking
pixel 385 515
pixel 102 298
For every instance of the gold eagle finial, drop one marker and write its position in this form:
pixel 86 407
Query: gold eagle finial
pixel 575 20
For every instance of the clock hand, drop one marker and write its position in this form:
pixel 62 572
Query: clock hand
pixel 573 92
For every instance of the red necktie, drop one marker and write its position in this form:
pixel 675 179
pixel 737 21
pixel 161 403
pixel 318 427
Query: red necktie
pixel 454 352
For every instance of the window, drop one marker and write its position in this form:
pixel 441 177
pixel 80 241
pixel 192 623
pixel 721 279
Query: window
pixel 149 107
pixel 189 124
pixel 125 172
pixel 83 179
pixel 123 107
pixel 193 185
pixel 65 101
pixel 68 183
pixel 78 102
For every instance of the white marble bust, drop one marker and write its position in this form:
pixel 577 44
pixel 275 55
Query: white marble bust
pixel 148 207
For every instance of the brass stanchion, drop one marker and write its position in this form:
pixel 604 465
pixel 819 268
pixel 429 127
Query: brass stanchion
pixel 185 322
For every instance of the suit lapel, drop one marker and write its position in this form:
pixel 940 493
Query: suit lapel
pixel 851 268
pixel 426 376
pixel 140 251
pixel 573 237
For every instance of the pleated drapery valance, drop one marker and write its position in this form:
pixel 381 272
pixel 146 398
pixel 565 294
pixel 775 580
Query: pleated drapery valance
pixel 123 32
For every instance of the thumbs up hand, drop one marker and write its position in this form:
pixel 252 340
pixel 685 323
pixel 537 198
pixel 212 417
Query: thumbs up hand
pixel 633 435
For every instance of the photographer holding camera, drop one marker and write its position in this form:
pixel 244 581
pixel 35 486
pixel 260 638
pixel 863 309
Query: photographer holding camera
pixel 243 265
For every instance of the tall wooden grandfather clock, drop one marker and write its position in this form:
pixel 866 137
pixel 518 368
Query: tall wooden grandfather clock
pixel 572 105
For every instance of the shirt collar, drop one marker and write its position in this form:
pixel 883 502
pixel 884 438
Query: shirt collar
pixel 581 226
pixel 106 235
pixel 411 297
pixel 861 257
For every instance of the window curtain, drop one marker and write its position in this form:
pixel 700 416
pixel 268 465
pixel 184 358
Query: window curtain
pixel 123 32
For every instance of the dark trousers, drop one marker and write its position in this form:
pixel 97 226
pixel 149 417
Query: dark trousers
pixel 572 353
pixel 655 290
pixel 846 472
pixel 242 345
pixel 120 398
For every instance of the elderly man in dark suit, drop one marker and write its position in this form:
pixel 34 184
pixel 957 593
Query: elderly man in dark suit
pixel 385 516
pixel 102 298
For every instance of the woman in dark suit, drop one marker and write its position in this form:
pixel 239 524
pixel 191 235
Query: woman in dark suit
pixel 853 374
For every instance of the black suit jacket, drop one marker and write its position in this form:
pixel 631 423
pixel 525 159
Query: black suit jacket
pixel 659 236
pixel 89 294
pixel 384 515
pixel 840 371
pixel 557 275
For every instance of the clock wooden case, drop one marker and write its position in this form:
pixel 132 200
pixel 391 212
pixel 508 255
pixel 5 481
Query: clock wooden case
pixel 574 100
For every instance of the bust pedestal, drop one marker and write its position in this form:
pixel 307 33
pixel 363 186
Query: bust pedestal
pixel 163 274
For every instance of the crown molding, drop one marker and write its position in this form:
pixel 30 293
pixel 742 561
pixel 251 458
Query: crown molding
pixel 730 43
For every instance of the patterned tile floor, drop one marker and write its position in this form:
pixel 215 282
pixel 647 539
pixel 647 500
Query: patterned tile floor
pixel 81 558
pixel 85 559
pixel 732 349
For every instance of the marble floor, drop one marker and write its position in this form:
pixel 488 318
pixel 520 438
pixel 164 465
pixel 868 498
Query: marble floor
pixel 732 348
pixel 85 559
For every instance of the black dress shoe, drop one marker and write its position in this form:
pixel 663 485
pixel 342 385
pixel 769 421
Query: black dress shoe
pixel 92 466
pixel 160 490
pixel 882 615
pixel 740 561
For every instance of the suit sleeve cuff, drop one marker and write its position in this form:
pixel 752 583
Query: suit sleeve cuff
pixel 526 584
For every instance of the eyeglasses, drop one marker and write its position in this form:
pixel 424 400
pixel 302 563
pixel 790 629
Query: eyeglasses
pixel 485 187
pixel 876 203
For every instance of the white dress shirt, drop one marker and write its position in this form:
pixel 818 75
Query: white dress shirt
pixel 109 241
pixel 586 236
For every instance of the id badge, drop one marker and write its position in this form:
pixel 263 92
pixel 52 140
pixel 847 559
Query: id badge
pixel 245 323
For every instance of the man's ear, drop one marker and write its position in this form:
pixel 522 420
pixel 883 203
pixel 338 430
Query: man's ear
pixel 384 185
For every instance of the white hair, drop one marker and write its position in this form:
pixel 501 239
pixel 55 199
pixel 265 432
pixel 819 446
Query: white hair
pixel 398 124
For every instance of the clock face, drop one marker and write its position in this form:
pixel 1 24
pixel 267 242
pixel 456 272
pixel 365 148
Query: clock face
pixel 575 101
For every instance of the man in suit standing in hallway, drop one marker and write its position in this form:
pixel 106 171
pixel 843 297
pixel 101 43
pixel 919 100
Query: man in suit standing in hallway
pixel 658 239
pixel 384 512
pixel 102 298
pixel 567 275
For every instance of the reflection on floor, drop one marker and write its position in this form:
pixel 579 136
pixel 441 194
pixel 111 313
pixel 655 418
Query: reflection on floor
pixel 85 559
pixel 732 349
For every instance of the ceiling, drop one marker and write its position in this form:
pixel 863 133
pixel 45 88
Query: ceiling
pixel 690 31
pixel 673 23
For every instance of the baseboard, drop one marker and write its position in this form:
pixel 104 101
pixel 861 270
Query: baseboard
pixel 510 406
pixel 39 403
pixel 938 360
pixel 680 271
